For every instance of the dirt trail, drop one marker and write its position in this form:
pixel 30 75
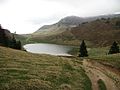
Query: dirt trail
pixel 96 71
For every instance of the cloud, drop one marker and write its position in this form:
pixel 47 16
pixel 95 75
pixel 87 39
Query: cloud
pixel 3 1
pixel 25 16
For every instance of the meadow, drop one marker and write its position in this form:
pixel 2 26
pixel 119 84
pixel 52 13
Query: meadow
pixel 20 70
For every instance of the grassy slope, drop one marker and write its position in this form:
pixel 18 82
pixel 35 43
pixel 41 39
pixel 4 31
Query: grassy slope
pixel 20 70
pixel 101 54
pixel 97 33
pixel 22 38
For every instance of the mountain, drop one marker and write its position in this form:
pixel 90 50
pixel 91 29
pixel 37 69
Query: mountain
pixel 59 27
pixel 100 32
pixel 65 32
pixel 71 20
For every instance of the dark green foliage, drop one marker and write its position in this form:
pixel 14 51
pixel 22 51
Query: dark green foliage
pixel 12 42
pixel 15 44
pixel 8 42
pixel 103 18
pixel 3 37
pixel 114 48
pixel 83 50
pixel 18 45
pixel 107 21
pixel 118 24
pixel 101 85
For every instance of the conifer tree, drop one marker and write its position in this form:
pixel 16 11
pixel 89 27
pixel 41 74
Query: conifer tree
pixel 118 24
pixel 12 42
pixel 114 48
pixel 18 45
pixel 83 50
pixel 5 39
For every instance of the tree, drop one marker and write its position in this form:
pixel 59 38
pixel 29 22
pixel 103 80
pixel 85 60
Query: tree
pixel 114 48
pixel 118 24
pixel 12 43
pixel 5 38
pixel 8 41
pixel 83 50
pixel 18 45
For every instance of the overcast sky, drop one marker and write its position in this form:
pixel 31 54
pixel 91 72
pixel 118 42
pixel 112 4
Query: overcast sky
pixel 26 16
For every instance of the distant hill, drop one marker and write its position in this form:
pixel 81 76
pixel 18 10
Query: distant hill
pixel 59 27
pixel 68 29
pixel 22 37
pixel 100 32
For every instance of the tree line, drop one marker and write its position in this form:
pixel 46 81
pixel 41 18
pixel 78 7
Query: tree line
pixel 6 41
pixel 84 53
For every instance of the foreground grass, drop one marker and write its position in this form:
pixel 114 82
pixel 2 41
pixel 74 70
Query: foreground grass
pixel 25 71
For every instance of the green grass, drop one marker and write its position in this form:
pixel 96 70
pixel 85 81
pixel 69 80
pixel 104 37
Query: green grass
pixel 20 70
pixel 100 54
pixel 101 85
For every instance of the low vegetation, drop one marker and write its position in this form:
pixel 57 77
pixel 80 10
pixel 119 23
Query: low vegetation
pixel 7 39
pixel 101 54
pixel 20 70
pixel 101 85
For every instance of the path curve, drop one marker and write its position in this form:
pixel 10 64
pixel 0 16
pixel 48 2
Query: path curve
pixel 96 71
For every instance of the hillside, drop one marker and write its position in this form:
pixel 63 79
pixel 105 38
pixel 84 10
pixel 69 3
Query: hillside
pixel 100 32
pixel 22 37
pixel 70 30
pixel 67 22
pixel 20 70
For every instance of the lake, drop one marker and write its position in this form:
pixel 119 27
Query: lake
pixel 52 49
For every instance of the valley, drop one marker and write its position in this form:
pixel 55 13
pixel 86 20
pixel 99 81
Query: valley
pixel 22 70
pixel 97 31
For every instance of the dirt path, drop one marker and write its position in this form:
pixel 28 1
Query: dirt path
pixel 96 71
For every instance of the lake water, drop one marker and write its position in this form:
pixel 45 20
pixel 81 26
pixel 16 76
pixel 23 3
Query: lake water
pixel 52 49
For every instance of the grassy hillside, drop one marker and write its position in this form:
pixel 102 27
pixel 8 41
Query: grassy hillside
pixel 100 32
pixel 101 54
pixel 22 38
pixel 20 70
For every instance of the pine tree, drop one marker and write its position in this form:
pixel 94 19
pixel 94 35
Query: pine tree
pixel 114 48
pixel 118 24
pixel 12 43
pixel 5 39
pixel 83 50
pixel 18 45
